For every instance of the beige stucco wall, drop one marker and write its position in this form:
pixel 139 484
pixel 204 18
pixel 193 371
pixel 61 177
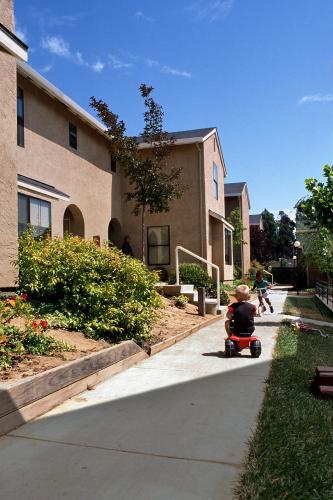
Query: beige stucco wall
pixel 211 154
pixel 184 215
pixel 246 233
pixel 84 174
pixel 241 254
pixel 8 190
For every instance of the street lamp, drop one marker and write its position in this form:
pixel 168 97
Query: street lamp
pixel 297 245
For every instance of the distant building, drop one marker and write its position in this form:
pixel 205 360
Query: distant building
pixel 237 196
pixel 256 220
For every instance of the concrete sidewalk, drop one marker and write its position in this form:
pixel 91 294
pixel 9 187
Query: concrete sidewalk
pixel 173 427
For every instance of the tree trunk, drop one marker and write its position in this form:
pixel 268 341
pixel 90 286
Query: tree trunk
pixel 143 234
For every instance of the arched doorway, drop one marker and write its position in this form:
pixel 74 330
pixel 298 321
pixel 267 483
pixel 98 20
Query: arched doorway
pixel 73 221
pixel 114 233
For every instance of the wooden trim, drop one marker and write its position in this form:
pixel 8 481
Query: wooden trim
pixel 16 395
pixel 154 349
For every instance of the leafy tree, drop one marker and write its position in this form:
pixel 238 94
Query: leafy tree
pixel 236 221
pixel 271 232
pixel 318 250
pixel 260 248
pixel 285 237
pixel 318 207
pixel 154 183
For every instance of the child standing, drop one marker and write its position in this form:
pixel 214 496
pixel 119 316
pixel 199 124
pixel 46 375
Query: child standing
pixel 240 315
pixel 263 285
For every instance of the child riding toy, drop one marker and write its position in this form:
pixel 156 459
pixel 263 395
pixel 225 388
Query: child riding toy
pixel 240 325
pixel 236 343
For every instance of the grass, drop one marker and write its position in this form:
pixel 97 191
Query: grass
pixel 291 453
pixel 307 307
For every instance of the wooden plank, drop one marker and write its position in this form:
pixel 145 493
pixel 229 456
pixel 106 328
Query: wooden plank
pixel 14 396
pixel 19 417
pixel 154 349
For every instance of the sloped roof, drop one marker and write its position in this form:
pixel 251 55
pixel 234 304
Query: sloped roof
pixel 255 219
pixel 42 187
pixel 198 133
pixel 236 189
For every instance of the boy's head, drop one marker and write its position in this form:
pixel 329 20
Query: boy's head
pixel 259 275
pixel 242 293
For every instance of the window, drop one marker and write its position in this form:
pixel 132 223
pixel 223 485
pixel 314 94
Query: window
pixel 20 117
pixel 113 164
pixel 227 247
pixel 158 245
pixel 72 136
pixel 216 181
pixel 35 212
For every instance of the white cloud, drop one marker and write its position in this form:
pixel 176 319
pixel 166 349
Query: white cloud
pixel 98 66
pixel 116 63
pixel 175 72
pixel 56 45
pixel 316 98
pixel 140 15
pixel 46 69
pixel 20 32
pixel 211 10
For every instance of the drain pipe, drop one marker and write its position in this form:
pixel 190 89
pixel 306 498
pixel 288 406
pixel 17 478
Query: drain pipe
pixel 201 198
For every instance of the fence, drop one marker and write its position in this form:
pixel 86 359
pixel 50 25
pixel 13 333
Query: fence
pixel 324 292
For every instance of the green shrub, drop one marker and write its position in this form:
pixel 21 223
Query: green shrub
pixel 254 268
pixel 96 290
pixel 238 272
pixel 180 301
pixel 224 297
pixel 192 274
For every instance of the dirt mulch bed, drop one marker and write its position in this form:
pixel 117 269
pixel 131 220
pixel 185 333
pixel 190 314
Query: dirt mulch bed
pixel 36 364
pixel 173 321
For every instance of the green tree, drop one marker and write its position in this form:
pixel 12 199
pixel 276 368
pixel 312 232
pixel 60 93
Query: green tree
pixel 318 250
pixel 236 221
pixel 154 183
pixel 285 236
pixel 318 206
pixel 271 232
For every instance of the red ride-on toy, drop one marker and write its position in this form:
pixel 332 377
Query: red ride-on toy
pixel 237 343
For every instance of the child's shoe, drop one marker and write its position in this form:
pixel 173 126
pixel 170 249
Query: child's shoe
pixel 271 309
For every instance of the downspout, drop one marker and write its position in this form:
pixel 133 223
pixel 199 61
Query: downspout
pixel 200 200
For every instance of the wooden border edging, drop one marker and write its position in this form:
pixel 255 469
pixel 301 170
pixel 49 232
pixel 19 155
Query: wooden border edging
pixel 154 349
pixel 27 399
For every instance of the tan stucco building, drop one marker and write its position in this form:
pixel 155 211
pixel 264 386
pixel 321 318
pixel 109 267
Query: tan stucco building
pixel 56 173
pixel 237 196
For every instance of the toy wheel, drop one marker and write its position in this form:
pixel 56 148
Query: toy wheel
pixel 255 348
pixel 229 349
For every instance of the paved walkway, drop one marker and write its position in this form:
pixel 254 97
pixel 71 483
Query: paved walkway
pixel 173 427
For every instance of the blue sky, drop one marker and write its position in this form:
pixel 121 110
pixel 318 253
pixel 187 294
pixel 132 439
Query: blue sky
pixel 261 71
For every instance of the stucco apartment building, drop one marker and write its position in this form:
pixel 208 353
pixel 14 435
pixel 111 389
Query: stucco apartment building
pixel 237 196
pixel 56 173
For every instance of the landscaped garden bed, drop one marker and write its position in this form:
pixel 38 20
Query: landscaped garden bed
pixel 290 455
pixel 307 307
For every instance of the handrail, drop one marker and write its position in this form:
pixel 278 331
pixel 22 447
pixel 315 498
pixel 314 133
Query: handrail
pixel 272 277
pixel 182 249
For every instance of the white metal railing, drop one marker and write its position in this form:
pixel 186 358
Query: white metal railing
pixel 184 250
pixel 271 275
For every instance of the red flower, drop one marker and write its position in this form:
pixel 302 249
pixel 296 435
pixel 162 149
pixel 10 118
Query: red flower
pixel 24 297
pixel 43 324
pixel 35 325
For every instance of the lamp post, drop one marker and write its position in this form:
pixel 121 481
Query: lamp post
pixel 297 246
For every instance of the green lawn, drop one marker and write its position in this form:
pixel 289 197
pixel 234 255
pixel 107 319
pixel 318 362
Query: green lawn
pixel 291 453
pixel 307 307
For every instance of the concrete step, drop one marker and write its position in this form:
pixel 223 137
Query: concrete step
pixel 171 290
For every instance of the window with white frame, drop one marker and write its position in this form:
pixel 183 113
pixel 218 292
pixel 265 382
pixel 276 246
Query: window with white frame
pixel 227 247
pixel 158 245
pixel 215 181
pixel 34 212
